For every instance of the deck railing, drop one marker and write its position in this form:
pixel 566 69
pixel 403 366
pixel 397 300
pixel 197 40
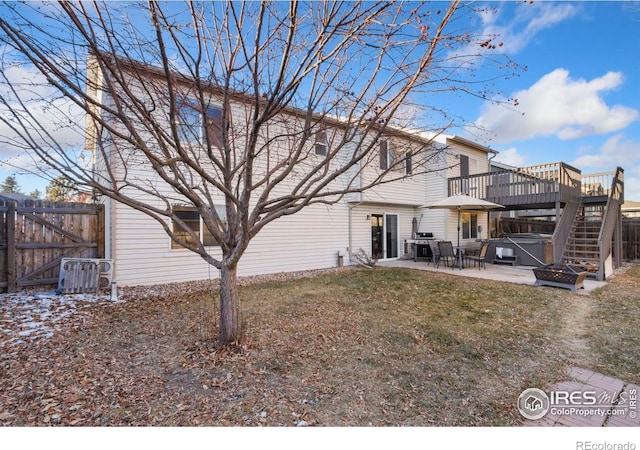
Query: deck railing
pixel 612 221
pixel 540 184
pixel 598 184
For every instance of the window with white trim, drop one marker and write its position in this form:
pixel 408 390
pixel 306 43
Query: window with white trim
pixel 191 127
pixel 321 142
pixel 394 158
pixel 191 218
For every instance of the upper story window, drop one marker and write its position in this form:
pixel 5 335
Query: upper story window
pixel 191 126
pixel 394 158
pixel 464 165
pixel 321 142
pixel 213 125
pixel 188 121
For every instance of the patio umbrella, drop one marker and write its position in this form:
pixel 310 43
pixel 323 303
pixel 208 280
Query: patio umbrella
pixel 463 202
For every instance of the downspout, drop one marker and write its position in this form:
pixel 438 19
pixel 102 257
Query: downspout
pixel 351 207
pixel 491 157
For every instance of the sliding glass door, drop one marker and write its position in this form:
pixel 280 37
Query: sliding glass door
pixel 384 236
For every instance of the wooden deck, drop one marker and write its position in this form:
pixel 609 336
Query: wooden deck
pixel 563 190
pixel 542 186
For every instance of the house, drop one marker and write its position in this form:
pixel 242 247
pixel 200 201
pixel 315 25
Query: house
pixel 15 196
pixel 379 221
pixel 631 209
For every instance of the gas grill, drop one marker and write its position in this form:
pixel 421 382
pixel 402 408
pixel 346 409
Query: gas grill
pixel 421 247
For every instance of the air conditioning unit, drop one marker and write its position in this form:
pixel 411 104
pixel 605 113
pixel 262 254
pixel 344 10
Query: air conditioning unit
pixel 81 275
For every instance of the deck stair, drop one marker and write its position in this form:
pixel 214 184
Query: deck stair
pixel 595 241
pixel 582 250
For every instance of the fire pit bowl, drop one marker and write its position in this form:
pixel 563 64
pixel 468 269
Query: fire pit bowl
pixel 559 275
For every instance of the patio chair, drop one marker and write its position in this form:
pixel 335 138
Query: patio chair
pixel 480 258
pixel 473 248
pixel 446 253
pixel 435 253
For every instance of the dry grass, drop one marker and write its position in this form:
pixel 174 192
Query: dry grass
pixel 353 348
pixel 613 328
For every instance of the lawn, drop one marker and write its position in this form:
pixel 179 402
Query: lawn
pixel 613 328
pixel 353 347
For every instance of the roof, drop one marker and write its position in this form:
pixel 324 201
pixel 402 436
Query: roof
pixel 425 137
pixel 468 143
pixel 630 205
pixel 502 166
pixel 15 197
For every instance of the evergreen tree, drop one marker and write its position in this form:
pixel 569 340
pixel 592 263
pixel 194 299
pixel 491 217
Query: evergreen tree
pixel 10 186
pixel 60 189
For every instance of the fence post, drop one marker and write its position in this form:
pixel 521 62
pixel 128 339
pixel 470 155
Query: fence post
pixel 11 247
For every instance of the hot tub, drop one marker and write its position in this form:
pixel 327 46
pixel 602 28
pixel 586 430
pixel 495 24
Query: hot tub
pixel 526 246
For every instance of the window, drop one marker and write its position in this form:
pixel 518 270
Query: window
pixel 464 174
pixel 188 122
pixel 213 126
pixel 384 157
pixel 464 165
pixel 321 143
pixel 469 222
pixel 393 158
pixel 191 127
pixel 191 218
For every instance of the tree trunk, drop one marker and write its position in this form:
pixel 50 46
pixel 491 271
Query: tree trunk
pixel 229 304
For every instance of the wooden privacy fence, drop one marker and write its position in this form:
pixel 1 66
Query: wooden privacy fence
pixel 631 238
pixel 37 234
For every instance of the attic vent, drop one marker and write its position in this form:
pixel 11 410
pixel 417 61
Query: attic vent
pixel 81 275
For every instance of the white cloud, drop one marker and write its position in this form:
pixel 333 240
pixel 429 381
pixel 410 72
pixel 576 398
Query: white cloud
pixel 631 188
pixel 557 105
pixel 18 161
pixel 511 157
pixel 614 152
pixel 42 109
pixel 528 21
pixel 515 32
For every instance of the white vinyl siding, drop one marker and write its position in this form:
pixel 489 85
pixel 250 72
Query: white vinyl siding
pixel 308 240
pixel 478 162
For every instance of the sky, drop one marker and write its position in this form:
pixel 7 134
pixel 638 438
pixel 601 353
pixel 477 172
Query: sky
pixel 578 101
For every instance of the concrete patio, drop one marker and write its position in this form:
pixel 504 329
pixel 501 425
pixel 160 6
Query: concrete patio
pixel 497 272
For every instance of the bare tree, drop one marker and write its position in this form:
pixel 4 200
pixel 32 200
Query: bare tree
pixel 227 106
